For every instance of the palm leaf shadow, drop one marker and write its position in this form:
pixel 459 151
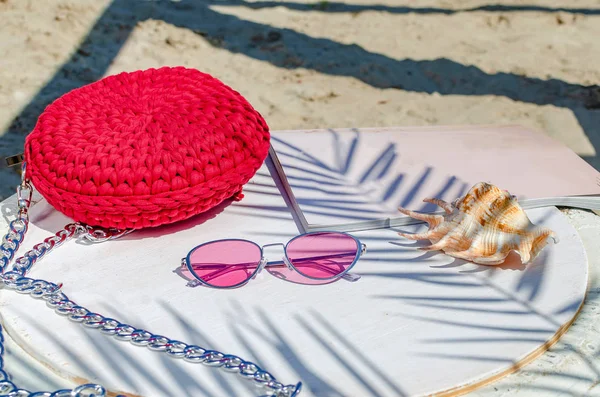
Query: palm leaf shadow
pixel 357 353
pixel 245 325
pixel 317 384
pixel 248 325
pixel 525 290
pixel 376 188
pixel 276 338
pixel 26 375
pixel 123 364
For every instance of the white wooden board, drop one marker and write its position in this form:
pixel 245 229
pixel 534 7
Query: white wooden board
pixel 413 324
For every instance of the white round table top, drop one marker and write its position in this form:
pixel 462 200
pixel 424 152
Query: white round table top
pixel 415 323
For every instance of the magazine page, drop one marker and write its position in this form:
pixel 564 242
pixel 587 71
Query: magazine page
pixel 346 176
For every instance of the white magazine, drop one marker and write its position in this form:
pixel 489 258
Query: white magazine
pixel 355 179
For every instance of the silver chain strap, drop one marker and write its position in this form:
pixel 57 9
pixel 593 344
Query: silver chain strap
pixel 16 280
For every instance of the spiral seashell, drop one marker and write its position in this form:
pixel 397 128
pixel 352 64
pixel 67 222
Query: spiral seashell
pixel 482 227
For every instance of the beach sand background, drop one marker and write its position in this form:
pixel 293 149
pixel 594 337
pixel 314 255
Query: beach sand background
pixel 356 63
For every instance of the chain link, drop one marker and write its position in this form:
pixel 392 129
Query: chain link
pixel 23 264
pixel 57 300
pixel 17 280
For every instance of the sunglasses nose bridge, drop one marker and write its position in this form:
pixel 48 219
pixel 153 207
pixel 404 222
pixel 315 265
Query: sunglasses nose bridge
pixel 261 266
pixel 273 245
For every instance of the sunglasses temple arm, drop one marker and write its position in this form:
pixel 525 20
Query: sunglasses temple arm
pixel 222 270
pixel 347 276
pixel 312 258
pixel 351 277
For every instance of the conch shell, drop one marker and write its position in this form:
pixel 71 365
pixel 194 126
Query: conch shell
pixel 482 227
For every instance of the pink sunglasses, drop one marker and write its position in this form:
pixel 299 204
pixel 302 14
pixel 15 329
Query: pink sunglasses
pixel 232 263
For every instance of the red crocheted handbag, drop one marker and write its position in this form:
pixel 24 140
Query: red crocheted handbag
pixel 145 148
pixel 130 151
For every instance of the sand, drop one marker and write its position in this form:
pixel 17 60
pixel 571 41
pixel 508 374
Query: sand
pixel 324 64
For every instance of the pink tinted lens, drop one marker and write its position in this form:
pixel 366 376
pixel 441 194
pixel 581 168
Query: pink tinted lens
pixel 322 255
pixel 225 263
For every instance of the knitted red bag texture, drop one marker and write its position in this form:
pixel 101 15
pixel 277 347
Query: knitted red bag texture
pixel 145 148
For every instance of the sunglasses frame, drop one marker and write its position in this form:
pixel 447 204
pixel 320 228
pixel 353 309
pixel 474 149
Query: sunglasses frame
pixel 361 249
